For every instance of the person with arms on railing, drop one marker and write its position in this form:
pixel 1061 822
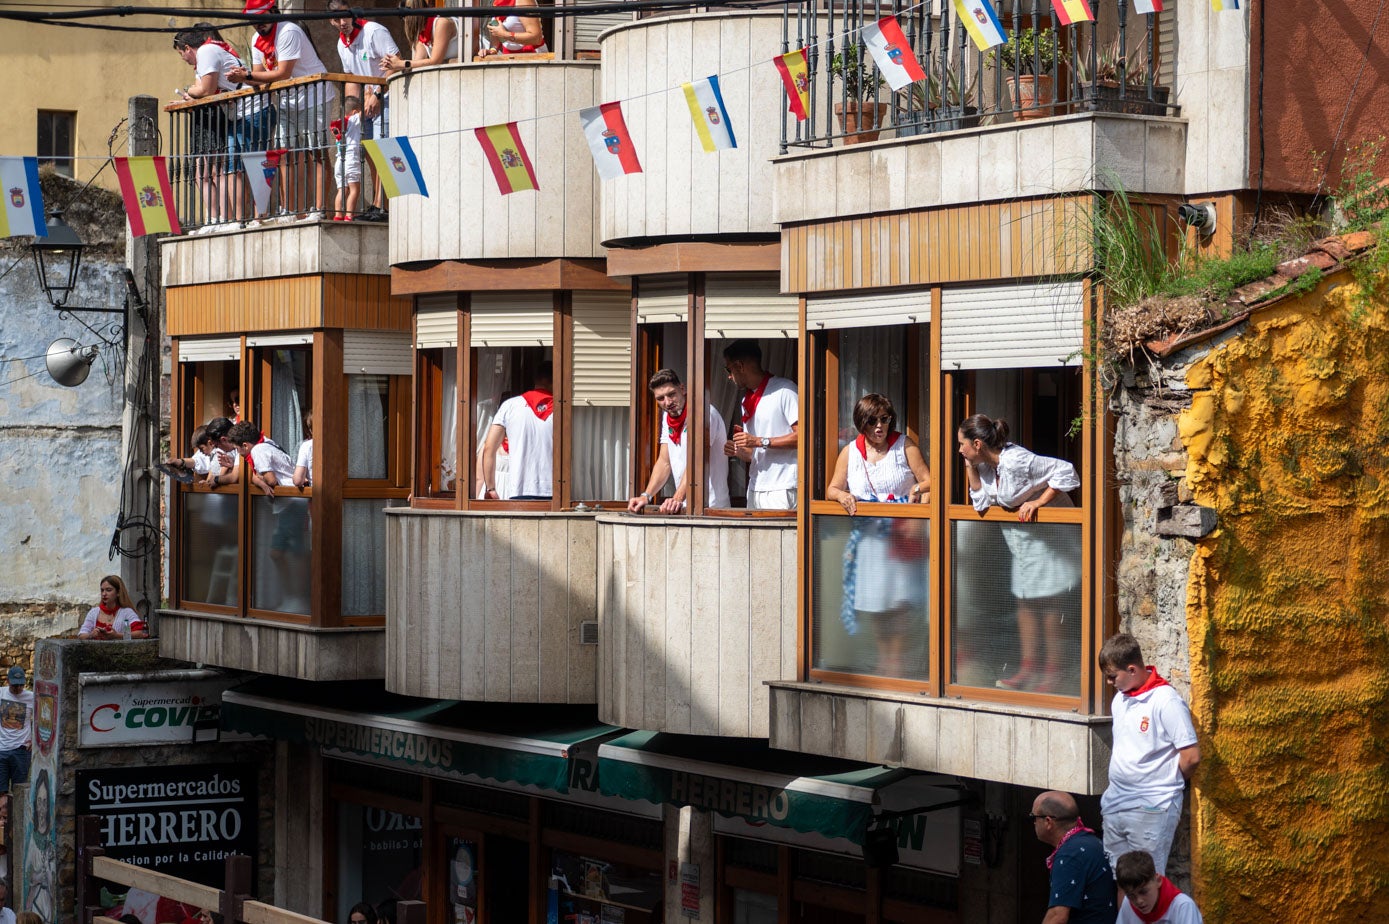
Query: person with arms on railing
pixel 1044 571
pixel 282 50
pixel 515 35
pixel 672 399
pixel 433 40
pixel 362 47
pixel 213 61
pixel 114 616
pixel 526 424
pixel 884 558
pixel 767 437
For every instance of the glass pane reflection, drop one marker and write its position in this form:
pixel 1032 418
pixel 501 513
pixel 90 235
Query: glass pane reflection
pixel 212 567
pixel 281 536
pixel 1015 606
pixel 870 614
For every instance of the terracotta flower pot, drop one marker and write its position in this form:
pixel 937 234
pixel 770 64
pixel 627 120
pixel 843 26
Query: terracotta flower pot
pixel 1032 96
pixel 860 121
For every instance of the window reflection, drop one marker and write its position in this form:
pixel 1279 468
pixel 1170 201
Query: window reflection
pixel 211 562
pixel 281 537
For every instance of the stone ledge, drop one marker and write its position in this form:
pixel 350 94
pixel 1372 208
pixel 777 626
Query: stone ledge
pixel 1021 745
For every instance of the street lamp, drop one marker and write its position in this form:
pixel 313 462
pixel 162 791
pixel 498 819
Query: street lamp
pixel 57 258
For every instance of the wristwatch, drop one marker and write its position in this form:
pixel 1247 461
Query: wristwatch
pixel 766 441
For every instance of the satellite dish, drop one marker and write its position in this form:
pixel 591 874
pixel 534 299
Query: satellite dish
pixel 68 362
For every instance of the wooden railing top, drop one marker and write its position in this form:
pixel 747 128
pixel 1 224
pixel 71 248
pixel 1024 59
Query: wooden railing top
pixel 253 912
pixel 277 85
pixel 147 880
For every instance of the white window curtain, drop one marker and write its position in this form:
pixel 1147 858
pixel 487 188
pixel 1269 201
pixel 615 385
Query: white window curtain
pixel 600 445
pixel 367 399
pixel 364 556
pixel 289 373
pixel 448 422
pixel 495 378
pixel 871 361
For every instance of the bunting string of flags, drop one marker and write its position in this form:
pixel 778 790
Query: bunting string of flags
pixel 148 198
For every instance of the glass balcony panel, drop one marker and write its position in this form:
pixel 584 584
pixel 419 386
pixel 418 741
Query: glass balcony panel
pixel 364 555
pixel 869 611
pixel 281 537
pixel 211 564
pixel 1015 606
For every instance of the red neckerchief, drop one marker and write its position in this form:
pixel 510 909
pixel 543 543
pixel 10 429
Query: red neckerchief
pixel 250 460
pixel 357 25
pixel 675 426
pixel 751 399
pixel 862 443
pixel 541 402
pixel 1152 683
pixel 1167 892
pixel 426 36
pixel 112 611
pixel 1078 829
pixel 266 45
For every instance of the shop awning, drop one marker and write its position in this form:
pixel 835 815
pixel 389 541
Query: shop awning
pixel 502 743
pixel 747 779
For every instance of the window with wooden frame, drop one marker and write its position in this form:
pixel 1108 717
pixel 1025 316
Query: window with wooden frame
pixel 871 571
pixel 684 323
pixel 437 398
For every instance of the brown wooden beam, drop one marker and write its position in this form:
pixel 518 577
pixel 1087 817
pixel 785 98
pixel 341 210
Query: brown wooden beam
pixel 502 275
pixel 695 257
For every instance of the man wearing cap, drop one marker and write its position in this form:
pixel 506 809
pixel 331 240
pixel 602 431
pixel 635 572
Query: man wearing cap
pixel 16 730
pixel 282 50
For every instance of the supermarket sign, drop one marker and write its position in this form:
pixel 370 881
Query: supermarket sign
pixel 161 707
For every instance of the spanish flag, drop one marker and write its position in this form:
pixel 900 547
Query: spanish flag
pixel 506 155
pixel 1072 11
pixel 149 200
pixel 795 74
pixel 1145 7
pixel 19 184
pixel 981 22
pixel 397 167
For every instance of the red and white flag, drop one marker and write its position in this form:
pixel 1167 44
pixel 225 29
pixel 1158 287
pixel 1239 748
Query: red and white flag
pixel 893 55
pixel 609 141
pixel 261 167
pixel 1147 6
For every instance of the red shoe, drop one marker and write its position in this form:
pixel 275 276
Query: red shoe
pixel 1022 680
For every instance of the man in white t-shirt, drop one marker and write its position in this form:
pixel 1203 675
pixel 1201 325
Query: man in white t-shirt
pixel 672 399
pixel 525 424
pixel 16 730
pixel 1154 754
pixel 282 50
pixel 766 438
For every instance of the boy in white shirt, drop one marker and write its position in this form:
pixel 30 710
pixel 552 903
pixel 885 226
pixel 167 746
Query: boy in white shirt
pixel 1149 897
pixel 672 399
pixel 525 424
pixel 269 464
pixel 348 172
pixel 766 438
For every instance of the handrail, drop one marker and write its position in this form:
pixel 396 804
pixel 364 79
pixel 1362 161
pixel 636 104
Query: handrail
pixel 277 85
pixel 148 880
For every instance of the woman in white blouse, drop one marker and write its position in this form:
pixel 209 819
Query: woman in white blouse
pixel 885 557
pixel 1044 571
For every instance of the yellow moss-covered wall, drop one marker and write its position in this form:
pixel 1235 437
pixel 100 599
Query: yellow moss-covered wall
pixel 1288 613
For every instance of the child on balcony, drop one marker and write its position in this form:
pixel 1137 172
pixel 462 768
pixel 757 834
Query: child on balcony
pixel 347 131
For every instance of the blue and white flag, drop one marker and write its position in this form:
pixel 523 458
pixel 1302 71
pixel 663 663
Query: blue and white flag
pixel 710 117
pixel 23 211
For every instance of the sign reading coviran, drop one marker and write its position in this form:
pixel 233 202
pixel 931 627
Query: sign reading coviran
pixel 159 709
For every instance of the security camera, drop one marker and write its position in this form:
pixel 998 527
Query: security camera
pixel 1198 217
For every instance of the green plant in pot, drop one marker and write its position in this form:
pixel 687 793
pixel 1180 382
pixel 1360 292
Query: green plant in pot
pixel 1112 70
pixel 859 116
pixel 1030 54
pixel 945 98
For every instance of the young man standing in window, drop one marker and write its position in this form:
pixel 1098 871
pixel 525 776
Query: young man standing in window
pixel 767 436
pixel 524 422
pixel 672 399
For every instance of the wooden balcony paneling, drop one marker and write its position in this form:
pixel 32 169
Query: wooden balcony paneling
pixel 266 647
pixel 489 606
pixel 464 216
pixel 986 241
pixel 287 303
pixel 683 191
pixel 695 616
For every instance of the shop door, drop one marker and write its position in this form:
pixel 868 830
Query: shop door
pixel 506 880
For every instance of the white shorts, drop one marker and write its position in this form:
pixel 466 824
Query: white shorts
pixel 776 499
pixel 1142 829
pixel 349 166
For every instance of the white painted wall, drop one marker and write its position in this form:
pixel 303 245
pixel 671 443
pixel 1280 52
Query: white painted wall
pixel 1212 87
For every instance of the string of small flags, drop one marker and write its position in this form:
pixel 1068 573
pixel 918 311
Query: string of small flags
pixel 149 202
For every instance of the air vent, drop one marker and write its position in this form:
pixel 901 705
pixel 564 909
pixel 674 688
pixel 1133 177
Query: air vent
pixel 588 632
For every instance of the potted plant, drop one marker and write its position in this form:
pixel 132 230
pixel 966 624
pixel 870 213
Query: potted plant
pixel 950 99
pixel 859 117
pixel 1113 71
pixel 1029 56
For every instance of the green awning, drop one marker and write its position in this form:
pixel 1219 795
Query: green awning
pixel 503 743
pixel 747 779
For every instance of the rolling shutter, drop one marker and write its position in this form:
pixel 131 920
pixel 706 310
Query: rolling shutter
pixel 663 299
pixel 587 28
pixel 209 350
pixel 302 338
pixel 602 349
pixel 523 319
pixel 876 310
pixel 436 322
pixel 376 352
pixel 1012 327
pixel 748 305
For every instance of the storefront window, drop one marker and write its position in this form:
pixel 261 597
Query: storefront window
pixel 379 858
pixel 588 890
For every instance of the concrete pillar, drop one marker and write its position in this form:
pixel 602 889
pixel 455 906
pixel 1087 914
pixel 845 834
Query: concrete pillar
pixel 691 865
pixel 298 829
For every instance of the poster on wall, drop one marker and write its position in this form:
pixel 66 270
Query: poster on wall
pixel 463 880
pixel 39 885
pixel 182 820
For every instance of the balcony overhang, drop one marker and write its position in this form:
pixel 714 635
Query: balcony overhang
pixel 276 648
pixel 1039 748
pixel 1073 153
pixel 303 249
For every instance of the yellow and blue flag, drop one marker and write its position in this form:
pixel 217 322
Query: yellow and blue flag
pixel 1219 5
pixel 981 22
pixel 396 166
pixel 710 117
pixel 23 211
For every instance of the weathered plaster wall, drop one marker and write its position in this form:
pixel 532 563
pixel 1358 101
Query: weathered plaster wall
pixel 1287 610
